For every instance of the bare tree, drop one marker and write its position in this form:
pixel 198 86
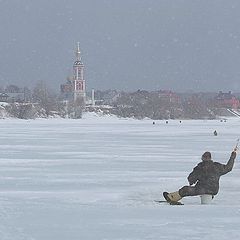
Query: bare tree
pixel 75 108
pixel 46 99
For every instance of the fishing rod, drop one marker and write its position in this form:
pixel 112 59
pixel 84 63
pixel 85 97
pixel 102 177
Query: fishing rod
pixel 236 147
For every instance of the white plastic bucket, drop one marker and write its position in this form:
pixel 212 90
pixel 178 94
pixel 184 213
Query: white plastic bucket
pixel 206 199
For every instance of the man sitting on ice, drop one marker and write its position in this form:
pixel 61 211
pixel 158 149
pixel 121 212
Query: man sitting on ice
pixel 205 176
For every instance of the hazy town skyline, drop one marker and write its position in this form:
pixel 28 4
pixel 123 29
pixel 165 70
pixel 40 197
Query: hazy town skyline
pixel 181 45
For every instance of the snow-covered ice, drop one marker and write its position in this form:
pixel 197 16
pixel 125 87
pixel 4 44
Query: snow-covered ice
pixel 98 177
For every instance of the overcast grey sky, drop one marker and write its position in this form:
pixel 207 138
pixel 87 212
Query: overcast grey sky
pixel 180 45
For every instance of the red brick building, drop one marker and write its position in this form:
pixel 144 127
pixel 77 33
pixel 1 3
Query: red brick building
pixel 227 100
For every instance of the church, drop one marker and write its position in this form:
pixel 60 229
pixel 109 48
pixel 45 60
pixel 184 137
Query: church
pixel 74 89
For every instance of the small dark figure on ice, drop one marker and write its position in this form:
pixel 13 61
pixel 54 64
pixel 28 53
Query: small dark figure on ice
pixel 215 133
pixel 204 179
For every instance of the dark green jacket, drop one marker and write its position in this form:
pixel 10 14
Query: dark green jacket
pixel 207 173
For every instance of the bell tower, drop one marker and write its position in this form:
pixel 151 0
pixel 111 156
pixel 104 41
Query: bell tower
pixel 79 89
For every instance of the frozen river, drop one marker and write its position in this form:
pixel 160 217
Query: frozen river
pixel 97 178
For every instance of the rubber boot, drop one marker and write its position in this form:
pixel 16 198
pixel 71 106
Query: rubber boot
pixel 172 197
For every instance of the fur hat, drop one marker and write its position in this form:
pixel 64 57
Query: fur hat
pixel 206 156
